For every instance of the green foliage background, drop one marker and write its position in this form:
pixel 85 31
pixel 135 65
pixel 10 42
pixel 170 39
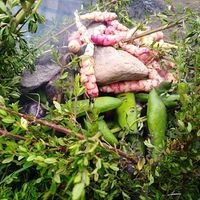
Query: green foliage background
pixel 44 164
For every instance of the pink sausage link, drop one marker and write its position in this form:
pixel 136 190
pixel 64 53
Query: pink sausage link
pixel 99 16
pixel 117 25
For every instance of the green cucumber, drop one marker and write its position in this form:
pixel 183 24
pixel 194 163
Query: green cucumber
pixel 106 133
pixel 102 104
pixel 127 112
pixel 157 121
pixel 169 101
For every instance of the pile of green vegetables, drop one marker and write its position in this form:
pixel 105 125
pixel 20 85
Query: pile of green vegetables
pixel 129 146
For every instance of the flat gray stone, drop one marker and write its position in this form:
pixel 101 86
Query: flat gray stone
pixel 113 65
pixel 42 74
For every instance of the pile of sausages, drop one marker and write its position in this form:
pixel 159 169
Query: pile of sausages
pixel 111 32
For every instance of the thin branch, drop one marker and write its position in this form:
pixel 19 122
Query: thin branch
pixel 63 130
pixel 10 135
pixel 44 123
pixel 120 152
pixel 56 35
pixel 157 29
pixel 37 6
pixel 174 194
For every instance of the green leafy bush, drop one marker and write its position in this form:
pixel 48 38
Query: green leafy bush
pixel 41 160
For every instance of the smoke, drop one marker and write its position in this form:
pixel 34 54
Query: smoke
pixel 57 10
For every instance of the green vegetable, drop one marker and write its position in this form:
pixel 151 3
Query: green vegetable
pixel 102 104
pixel 127 112
pixel 157 121
pixel 169 101
pixel 106 132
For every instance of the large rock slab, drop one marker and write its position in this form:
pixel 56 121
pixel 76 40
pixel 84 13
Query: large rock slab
pixel 46 69
pixel 113 65
pixel 42 74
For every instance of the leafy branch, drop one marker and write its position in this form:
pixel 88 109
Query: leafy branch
pixel 61 129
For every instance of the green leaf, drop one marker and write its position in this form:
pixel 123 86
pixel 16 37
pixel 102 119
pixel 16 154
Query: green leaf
pixel 15 95
pixel 125 195
pixel 39 158
pixel 85 177
pixel 151 179
pixel 198 133
pixel 57 105
pixel 61 142
pixel 8 120
pixel 8 160
pixel 53 188
pixel 77 178
pixel 2 102
pixel 21 148
pixel 3 112
pixel 24 123
pixel 181 124
pixel 114 167
pixel 50 160
pixel 140 163
pixel 3 7
pixel 189 127
pixel 101 193
pixel 31 158
pixel 20 157
pixel 32 26
pixel 64 76
pixel 148 143
pixel 56 178
pixel 77 191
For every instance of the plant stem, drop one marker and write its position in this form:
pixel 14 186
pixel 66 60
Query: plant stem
pixel 56 35
pixel 116 130
pixel 120 152
pixel 44 123
pixel 20 16
pixel 10 135
pixel 33 12
pixel 37 6
pixel 157 29
pixel 62 130
pixel 23 13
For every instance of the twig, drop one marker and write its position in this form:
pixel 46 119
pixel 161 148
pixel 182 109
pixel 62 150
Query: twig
pixel 16 137
pixel 44 123
pixel 120 152
pixel 56 35
pixel 174 194
pixel 157 29
pixel 62 130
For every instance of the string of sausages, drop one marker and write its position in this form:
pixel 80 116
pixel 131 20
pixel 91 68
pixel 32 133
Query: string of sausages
pixel 111 32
